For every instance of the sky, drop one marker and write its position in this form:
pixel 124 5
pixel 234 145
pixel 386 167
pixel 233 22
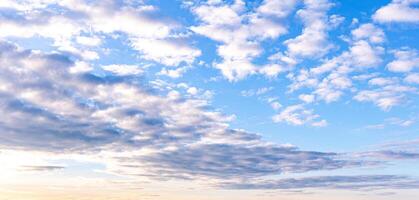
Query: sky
pixel 209 100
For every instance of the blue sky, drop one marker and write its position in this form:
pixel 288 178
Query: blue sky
pixel 240 99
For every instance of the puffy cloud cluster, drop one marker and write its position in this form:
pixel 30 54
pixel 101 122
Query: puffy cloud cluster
pixel 405 11
pixel 405 61
pixel 385 96
pixel 78 109
pixel 313 40
pixel 241 32
pixel 333 77
pixel 156 39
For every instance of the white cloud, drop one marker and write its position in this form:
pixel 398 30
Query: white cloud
pixel 398 11
pixel 298 115
pixel 380 81
pixel 80 67
pixel 330 79
pixel 240 34
pixel 192 91
pixel 156 39
pixel 236 70
pixel 258 92
pixel 330 88
pixel 313 40
pixel 336 20
pixel 88 41
pixel 271 70
pixel 173 73
pixel 385 97
pixel 164 51
pixel 303 79
pixel 307 98
pixel 276 105
pixel 321 123
pixel 123 70
pixel 400 122
pixel 278 8
pixel 412 78
pixel 405 61
pixel 370 32
pixel 365 55
pixel 59 28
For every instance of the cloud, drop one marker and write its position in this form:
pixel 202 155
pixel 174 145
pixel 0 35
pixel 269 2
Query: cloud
pixel 89 41
pixel 408 145
pixel 276 8
pixel 380 81
pixel 140 132
pixel 306 98
pixel 271 70
pixel 403 11
pixel 361 182
pixel 385 97
pixel 412 78
pixel 389 155
pixel 257 92
pixel 298 115
pixel 174 73
pixel 364 55
pixel 405 61
pixel 165 51
pixel 232 161
pixel 67 111
pixel 157 39
pixel 141 128
pixel 331 79
pixel 392 121
pixel 241 33
pixel 41 168
pixel 369 31
pixel 313 40
pixel 123 70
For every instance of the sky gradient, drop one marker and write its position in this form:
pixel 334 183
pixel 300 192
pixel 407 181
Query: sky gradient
pixel 209 100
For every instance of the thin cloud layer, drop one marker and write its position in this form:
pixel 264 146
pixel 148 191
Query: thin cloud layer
pixel 363 182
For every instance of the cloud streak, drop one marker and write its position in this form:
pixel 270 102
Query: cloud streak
pixel 362 182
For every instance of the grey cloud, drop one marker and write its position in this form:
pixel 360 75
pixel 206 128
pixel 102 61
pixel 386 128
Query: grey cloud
pixel 361 182
pixel 236 161
pixel 41 168
pixel 389 155
pixel 409 144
